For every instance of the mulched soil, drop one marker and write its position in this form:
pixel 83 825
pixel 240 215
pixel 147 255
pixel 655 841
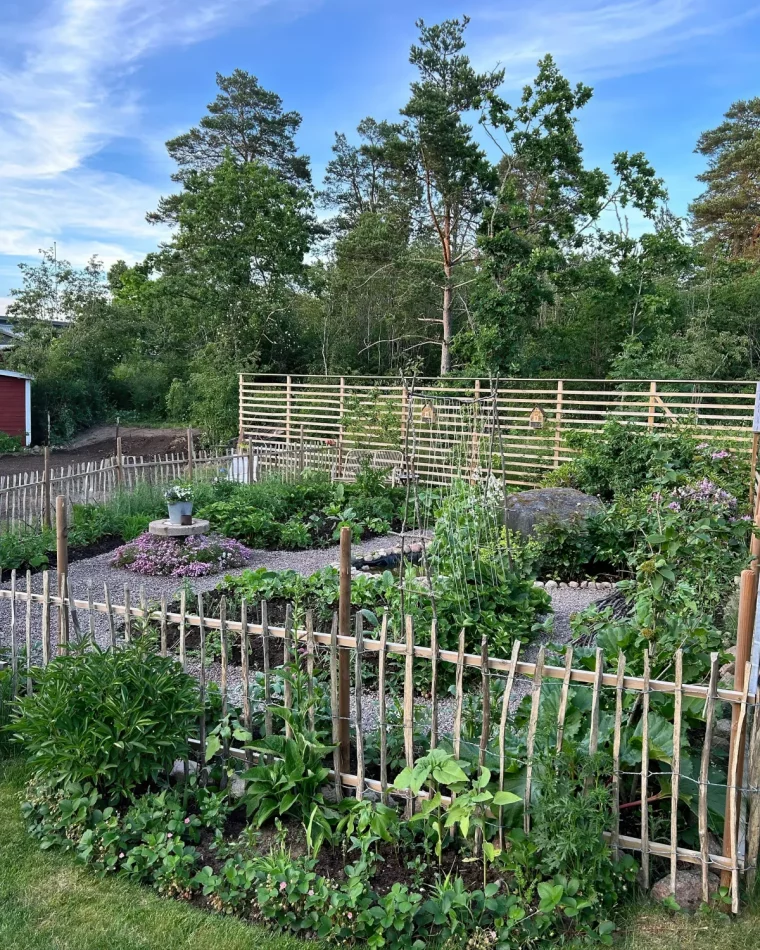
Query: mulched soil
pixel 331 863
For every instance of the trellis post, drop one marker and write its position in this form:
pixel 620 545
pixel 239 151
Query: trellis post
pixel 652 404
pixel 341 410
pixel 288 407
pixel 558 422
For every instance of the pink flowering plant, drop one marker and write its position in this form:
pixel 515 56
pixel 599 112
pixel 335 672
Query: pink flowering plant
pixel 176 557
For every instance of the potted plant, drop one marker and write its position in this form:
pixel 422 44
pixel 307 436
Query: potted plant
pixel 179 500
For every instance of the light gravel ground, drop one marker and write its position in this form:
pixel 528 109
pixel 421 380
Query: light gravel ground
pixel 565 601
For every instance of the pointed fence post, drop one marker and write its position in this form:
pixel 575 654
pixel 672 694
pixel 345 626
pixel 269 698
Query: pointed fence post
pixel 344 659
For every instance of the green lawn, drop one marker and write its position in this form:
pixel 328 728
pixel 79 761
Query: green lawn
pixel 651 928
pixel 48 901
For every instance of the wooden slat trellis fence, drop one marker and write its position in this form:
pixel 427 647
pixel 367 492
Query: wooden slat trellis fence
pixel 27 638
pixel 357 414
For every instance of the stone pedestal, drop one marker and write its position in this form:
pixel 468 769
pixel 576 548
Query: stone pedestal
pixel 165 529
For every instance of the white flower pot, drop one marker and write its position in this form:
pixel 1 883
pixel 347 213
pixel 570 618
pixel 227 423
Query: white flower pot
pixel 178 509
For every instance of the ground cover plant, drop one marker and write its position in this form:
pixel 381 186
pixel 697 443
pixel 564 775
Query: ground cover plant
pixel 171 557
pixel 350 872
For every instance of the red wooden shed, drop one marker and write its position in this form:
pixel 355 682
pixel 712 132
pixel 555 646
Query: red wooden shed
pixel 16 405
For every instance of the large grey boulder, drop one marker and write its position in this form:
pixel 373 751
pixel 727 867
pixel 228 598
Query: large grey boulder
pixel 528 508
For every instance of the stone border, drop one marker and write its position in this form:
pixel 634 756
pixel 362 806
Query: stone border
pixel 575 585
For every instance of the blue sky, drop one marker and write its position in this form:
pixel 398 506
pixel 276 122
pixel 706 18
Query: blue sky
pixel 91 89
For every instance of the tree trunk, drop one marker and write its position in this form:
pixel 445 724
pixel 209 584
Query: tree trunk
pixel 446 321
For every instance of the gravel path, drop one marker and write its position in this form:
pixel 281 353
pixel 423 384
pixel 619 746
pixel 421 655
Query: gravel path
pixel 565 601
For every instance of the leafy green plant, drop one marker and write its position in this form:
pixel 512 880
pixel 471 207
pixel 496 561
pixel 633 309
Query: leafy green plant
pixel 290 783
pixel 116 719
pixel 25 549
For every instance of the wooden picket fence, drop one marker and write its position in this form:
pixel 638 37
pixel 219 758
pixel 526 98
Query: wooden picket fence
pixel 25 496
pixel 35 616
pixel 447 425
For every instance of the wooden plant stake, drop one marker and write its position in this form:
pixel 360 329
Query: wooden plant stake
pixel 616 754
pixel 344 626
pixel 310 649
pixel 676 776
pixel 265 662
pixel 358 707
pixel 111 619
pixel 335 707
pixel 164 625
pixel 486 693
pixel 535 705
pixel 182 628
pixel 28 630
pixel 14 638
pixel 645 773
pixel 753 780
pixel 382 718
pixel 433 684
pixel 704 777
pixel 458 697
pixel 202 679
pixel 244 675
pixel 127 614
pixel 409 706
pixel 287 658
pixel 593 739
pixel 63 631
pixel 90 612
pixel 734 790
pixel 45 618
pixel 563 697
pixel 503 729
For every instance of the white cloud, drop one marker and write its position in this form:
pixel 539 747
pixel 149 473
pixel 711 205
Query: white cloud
pixel 68 95
pixel 65 92
pixel 599 37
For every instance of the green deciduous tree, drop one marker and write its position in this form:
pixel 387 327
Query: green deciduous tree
pixel 545 220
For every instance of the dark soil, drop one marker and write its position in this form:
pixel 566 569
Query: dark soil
pixel 137 441
pixel 391 869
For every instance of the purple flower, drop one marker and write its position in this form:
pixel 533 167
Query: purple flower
pixel 170 835
pixel 283 885
pixel 170 557
pixel 187 821
pixel 723 454
pixel 703 445
pixel 674 506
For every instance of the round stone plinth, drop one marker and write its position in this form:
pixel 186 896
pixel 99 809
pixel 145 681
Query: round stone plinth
pixel 165 529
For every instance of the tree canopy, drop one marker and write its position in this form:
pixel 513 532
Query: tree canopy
pixel 468 234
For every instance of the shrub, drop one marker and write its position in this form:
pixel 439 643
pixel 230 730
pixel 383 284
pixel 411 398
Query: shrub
pixel 116 719
pixel 170 557
pixel 624 458
pixel 10 443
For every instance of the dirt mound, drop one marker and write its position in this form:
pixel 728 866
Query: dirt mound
pixel 99 443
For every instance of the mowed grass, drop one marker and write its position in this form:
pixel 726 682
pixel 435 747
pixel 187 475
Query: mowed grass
pixel 649 927
pixel 50 902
